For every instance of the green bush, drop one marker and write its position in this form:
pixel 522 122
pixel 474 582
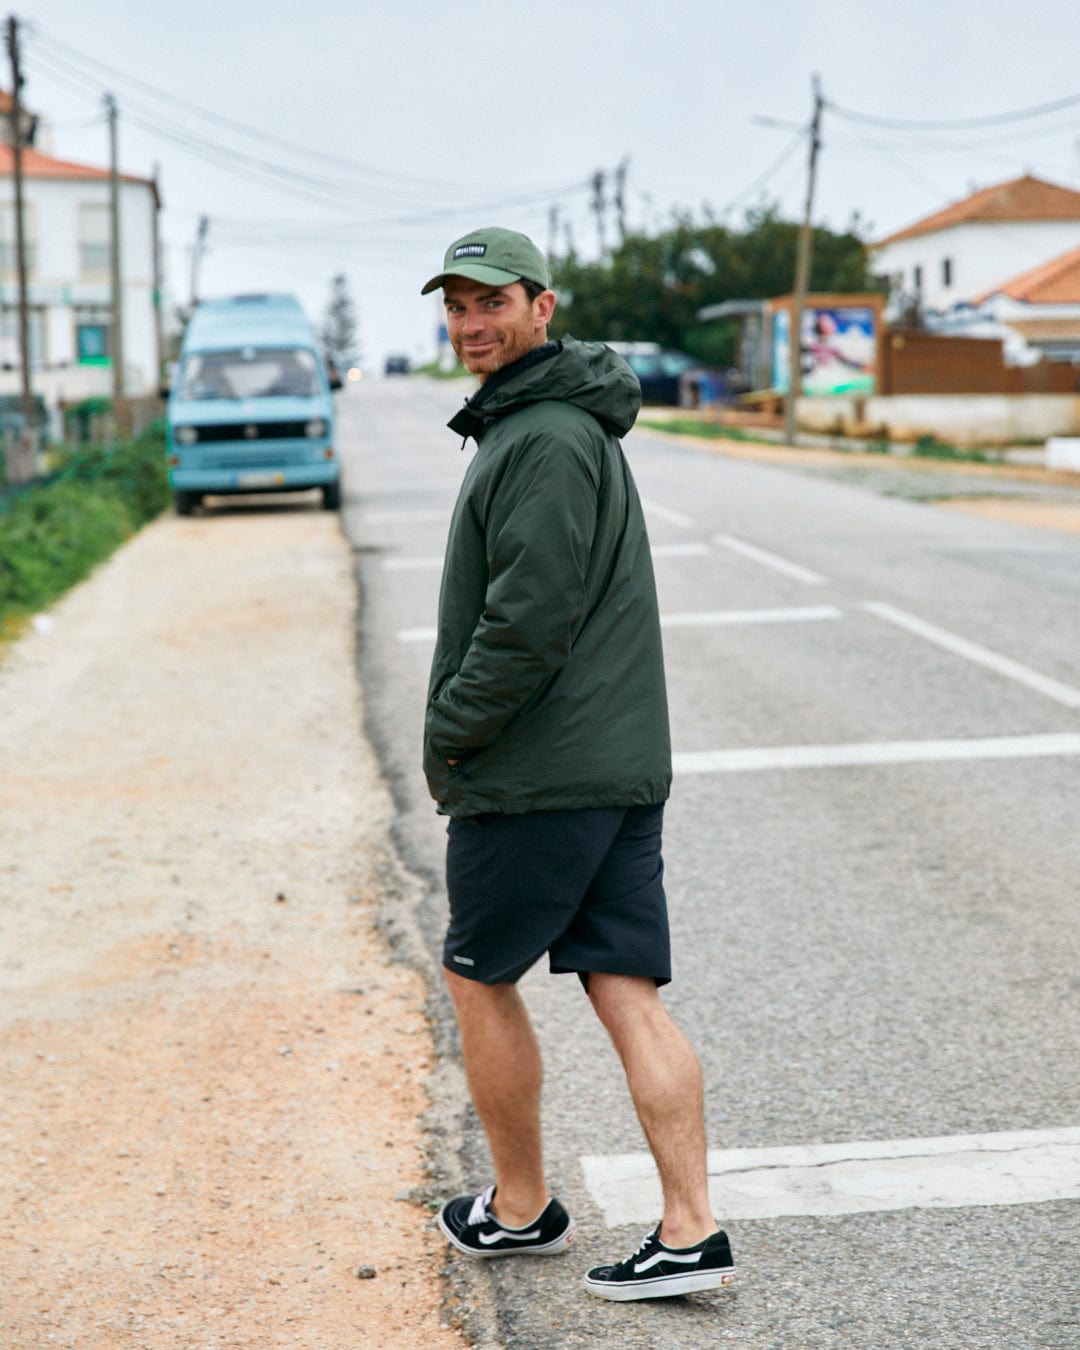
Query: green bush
pixel 135 470
pixel 53 535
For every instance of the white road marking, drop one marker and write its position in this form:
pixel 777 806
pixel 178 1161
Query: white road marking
pixel 679 550
pixel 406 486
pixel 772 560
pixel 1019 1167
pixel 1003 665
pixel 412 564
pixel 433 564
pixel 737 616
pixel 884 752
pixel 418 517
pixel 666 513
pixel 703 620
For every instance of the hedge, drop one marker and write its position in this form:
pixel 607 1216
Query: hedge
pixel 55 534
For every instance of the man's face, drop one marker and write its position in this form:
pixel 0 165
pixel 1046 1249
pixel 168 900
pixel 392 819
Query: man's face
pixel 491 326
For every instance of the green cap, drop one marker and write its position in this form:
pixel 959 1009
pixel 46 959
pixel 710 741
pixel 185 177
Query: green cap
pixel 493 255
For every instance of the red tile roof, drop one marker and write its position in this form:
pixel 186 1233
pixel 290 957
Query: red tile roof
pixel 1056 282
pixel 37 165
pixel 1025 198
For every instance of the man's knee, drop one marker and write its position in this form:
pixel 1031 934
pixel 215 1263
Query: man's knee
pixel 619 999
pixel 474 994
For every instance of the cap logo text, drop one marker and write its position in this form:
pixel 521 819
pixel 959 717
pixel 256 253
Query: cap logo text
pixel 470 250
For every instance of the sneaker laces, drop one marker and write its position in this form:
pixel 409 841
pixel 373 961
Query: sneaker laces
pixel 647 1241
pixel 481 1211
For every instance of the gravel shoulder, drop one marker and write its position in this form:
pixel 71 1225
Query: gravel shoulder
pixel 212 1066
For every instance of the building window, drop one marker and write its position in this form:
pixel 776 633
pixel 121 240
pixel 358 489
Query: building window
pixel 95 233
pixel 8 253
pixel 917 279
pixel 93 335
pixel 946 272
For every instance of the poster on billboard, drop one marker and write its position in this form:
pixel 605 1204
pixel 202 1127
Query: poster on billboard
pixel 839 344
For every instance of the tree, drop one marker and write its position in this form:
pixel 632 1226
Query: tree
pixel 650 287
pixel 339 330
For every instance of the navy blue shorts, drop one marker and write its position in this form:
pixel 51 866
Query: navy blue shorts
pixel 584 886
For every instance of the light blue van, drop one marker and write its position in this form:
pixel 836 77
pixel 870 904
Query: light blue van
pixel 251 408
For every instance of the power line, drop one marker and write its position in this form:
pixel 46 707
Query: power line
pixel 405 182
pixel 955 123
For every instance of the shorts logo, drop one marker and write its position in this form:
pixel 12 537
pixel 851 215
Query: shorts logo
pixel 464 960
pixel 470 250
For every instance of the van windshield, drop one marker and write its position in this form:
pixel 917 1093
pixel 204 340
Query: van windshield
pixel 250 372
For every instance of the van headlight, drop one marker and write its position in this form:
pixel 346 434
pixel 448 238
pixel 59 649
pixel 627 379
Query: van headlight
pixel 186 435
pixel 315 428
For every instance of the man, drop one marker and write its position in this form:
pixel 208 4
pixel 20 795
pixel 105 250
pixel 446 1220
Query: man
pixel 546 743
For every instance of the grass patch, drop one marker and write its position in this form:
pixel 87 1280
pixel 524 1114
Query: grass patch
pixel 707 431
pixel 53 535
pixel 929 447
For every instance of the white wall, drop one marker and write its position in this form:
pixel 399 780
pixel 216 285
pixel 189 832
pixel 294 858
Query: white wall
pixel 56 283
pixel 983 255
pixel 962 419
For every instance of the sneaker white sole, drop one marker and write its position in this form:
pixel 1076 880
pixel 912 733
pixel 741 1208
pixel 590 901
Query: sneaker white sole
pixel 551 1248
pixel 664 1286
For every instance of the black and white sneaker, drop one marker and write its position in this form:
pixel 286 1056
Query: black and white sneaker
pixel 658 1271
pixel 469 1223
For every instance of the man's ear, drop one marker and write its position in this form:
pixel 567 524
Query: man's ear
pixel 544 306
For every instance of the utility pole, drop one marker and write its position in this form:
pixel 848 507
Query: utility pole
pixel 599 206
pixel 20 457
pixel 620 197
pixel 117 324
pixel 197 252
pixel 803 259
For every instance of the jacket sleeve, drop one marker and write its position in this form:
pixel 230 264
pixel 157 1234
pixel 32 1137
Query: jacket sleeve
pixel 539 529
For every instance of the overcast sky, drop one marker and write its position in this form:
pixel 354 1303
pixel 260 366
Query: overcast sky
pixel 358 137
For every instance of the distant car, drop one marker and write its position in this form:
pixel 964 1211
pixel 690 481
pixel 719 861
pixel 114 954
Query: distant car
pixel 396 365
pixel 658 369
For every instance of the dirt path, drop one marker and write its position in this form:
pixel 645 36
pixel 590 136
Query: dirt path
pixel 211 1071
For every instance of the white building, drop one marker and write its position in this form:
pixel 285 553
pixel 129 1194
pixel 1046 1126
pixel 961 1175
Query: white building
pixel 971 248
pixel 66 225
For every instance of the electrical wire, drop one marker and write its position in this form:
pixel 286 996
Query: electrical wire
pixel 404 182
pixel 955 123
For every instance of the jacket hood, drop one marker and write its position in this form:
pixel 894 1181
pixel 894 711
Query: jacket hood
pixel 586 374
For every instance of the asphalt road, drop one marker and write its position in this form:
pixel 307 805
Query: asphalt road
pixel 872 859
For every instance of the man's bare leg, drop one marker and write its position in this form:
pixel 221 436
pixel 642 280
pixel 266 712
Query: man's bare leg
pixel 664 1078
pixel 506 1073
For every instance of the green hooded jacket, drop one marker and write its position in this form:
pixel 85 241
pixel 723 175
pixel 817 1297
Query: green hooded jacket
pixel 547 682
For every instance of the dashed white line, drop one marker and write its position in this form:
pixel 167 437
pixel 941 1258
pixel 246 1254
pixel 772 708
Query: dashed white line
pixel 865 753
pixel 1003 665
pixel 707 619
pixel 679 550
pixel 773 560
pixel 1016 1167
pixel 417 517
pixel 431 564
pixel 666 513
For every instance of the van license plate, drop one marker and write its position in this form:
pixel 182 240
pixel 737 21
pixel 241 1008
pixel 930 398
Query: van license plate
pixel 260 479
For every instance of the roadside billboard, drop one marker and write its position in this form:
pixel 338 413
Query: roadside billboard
pixel 838 348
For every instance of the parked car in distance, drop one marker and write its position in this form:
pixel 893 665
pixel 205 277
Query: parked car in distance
pixel 250 409
pixel 659 369
pixel 396 365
